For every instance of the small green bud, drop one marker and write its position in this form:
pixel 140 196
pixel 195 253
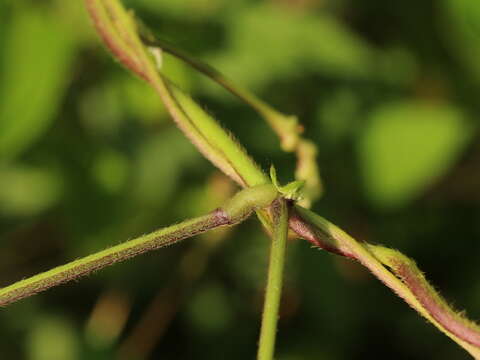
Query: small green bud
pixel 291 191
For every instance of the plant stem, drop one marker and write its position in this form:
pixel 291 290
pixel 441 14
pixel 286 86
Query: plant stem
pixel 219 138
pixel 396 271
pixel 119 32
pixel 286 127
pixel 121 252
pixel 233 212
pixel 275 278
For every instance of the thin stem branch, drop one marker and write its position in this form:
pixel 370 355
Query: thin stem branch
pixel 273 293
pixel 233 212
pixel 112 255
pixel 286 127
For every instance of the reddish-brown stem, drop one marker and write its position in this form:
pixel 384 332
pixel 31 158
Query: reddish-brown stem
pixel 427 296
pixel 408 281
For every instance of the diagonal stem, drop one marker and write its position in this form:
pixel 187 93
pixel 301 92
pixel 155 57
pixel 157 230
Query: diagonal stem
pixel 233 212
pixel 396 271
pixel 273 293
pixel 286 127
pixel 112 255
pixel 119 32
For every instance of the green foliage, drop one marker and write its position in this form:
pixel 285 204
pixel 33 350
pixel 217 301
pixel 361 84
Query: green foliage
pixel 26 191
pixel 464 15
pixel 174 153
pixel 189 9
pixel 406 146
pixel 317 42
pixel 210 297
pixel 53 338
pixel 38 53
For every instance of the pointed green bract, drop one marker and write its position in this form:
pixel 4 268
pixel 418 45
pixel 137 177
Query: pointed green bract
pixel 291 191
pixel 37 57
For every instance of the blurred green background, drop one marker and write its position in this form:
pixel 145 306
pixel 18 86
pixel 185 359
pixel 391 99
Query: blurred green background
pixel 389 90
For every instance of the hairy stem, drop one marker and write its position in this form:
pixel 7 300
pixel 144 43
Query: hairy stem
pixel 286 127
pixel 396 271
pixel 407 270
pixel 110 256
pixel 119 32
pixel 233 212
pixel 220 139
pixel 268 330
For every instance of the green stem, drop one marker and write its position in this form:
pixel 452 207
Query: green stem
pixel 110 256
pixel 275 278
pixel 233 212
pixel 219 139
pixel 286 127
pixel 119 32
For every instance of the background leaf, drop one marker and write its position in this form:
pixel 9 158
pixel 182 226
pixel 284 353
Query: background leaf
pixel 408 145
pixel 37 56
pixel 320 42
pixel 26 191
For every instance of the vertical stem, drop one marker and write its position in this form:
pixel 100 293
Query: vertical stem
pixel 275 278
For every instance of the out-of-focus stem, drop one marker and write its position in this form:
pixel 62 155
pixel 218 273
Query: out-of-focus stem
pixel 285 126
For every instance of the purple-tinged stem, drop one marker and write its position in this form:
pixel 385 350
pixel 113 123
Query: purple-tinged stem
pixel 396 271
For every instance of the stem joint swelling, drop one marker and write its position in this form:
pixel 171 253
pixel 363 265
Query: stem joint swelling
pixel 248 200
